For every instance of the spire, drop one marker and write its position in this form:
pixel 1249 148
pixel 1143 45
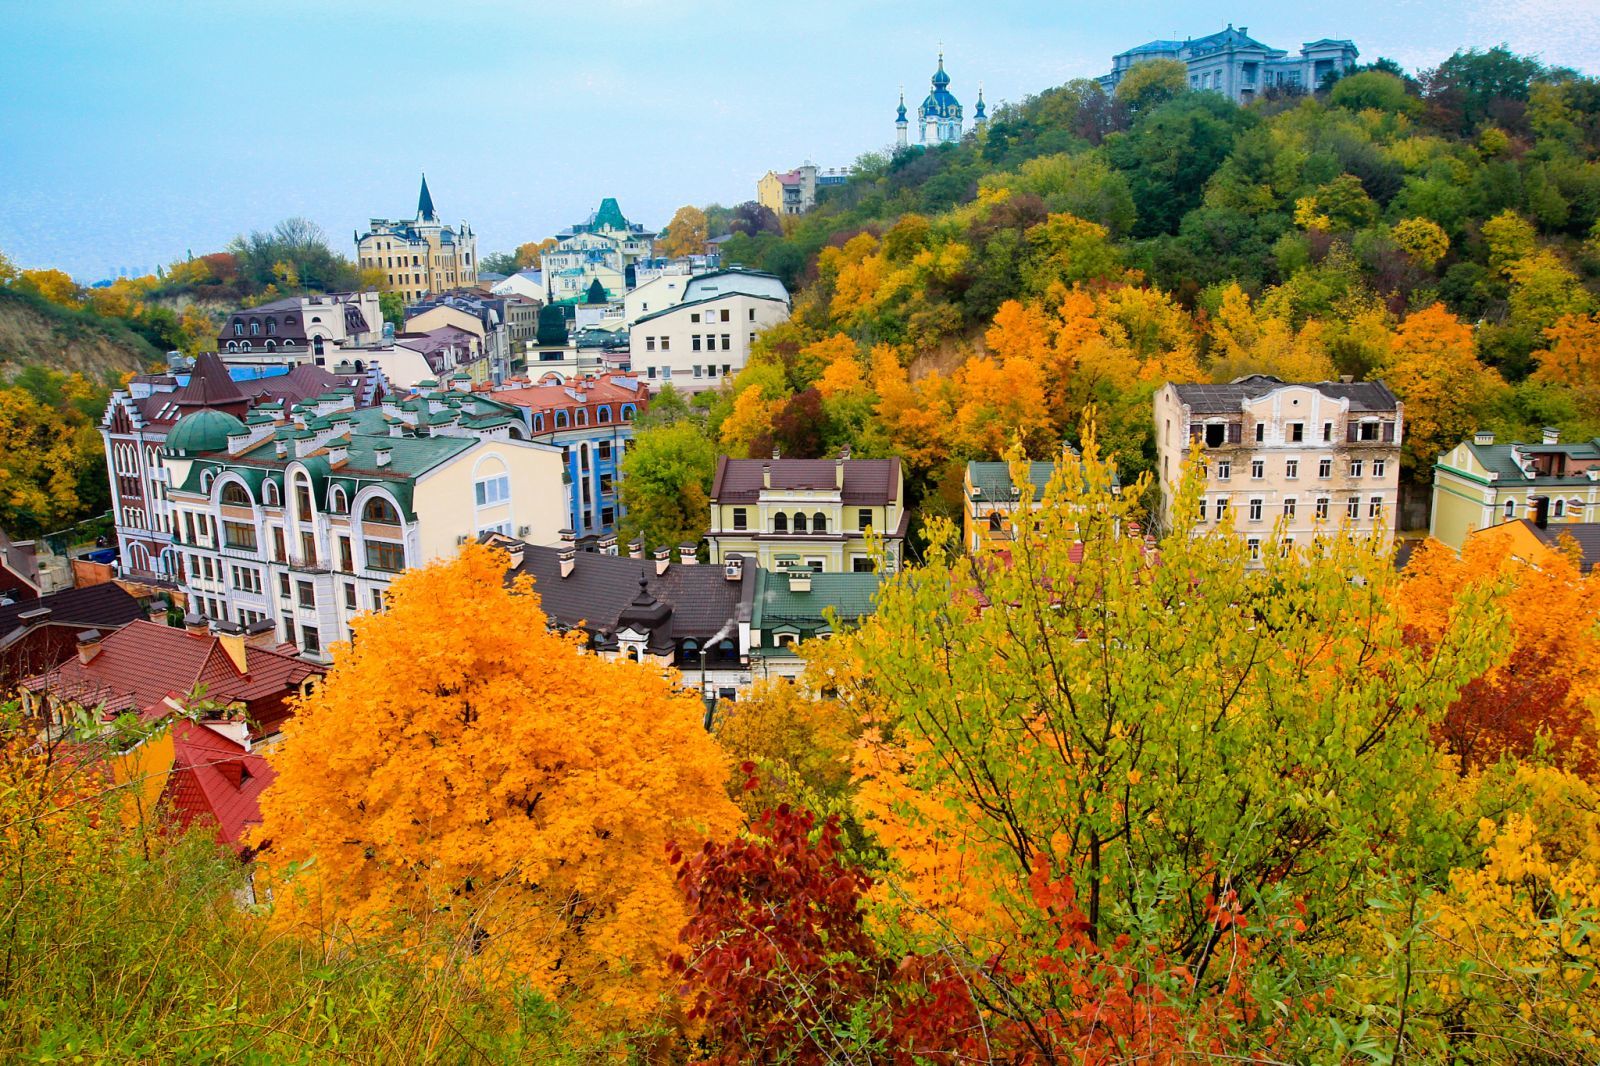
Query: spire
pixel 900 115
pixel 941 80
pixel 425 203
pixel 978 113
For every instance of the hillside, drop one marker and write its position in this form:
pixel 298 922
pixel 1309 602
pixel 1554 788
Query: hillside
pixel 35 332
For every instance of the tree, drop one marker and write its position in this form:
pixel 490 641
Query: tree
pixel 799 748
pixel 1422 239
pixel 1435 371
pixel 46 449
pixel 1374 90
pixel 1243 342
pixel 294 254
pixel 1159 733
pixel 463 765
pixel 665 487
pixel 1171 152
pixel 1572 358
pixel 393 307
pixel 1149 85
pixel 685 234
pixel 499 263
pixel 528 254
pixel 1474 85
pixel 752 219
pixel 53 285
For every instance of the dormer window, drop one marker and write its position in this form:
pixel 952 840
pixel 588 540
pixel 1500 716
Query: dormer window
pixel 238 329
pixel 255 328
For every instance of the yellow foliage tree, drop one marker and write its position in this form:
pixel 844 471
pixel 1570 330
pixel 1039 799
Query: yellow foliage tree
pixel 1423 239
pixel 686 233
pixel 1572 358
pixel 53 285
pixel 998 403
pixel 41 454
pixel 799 747
pixel 1434 370
pixel 462 765
pixel 1246 342
pixel 750 420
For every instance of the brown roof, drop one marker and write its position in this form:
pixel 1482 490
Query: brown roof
pixel 210 385
pixel 866 481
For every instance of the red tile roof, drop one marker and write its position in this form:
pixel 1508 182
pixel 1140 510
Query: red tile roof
pixel 216 782
pixel 140 665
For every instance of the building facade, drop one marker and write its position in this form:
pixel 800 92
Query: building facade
pixel 812 514
pixel 1296 459
pixel 991 499
pixel 599 249
pixel 700 343
pixel 304 325
pixel 794 192
pixel 301 520
pixel 1241 68
pixel 591 421
pixel 1478 484
pixel 939 116
pixel 419 255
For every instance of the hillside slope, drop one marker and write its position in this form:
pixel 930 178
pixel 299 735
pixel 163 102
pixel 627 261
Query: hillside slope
pixel 34 332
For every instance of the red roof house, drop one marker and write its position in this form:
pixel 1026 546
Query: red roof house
pixel 215 782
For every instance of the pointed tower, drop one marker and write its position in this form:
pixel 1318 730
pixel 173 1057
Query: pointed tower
pixel 425 204
pixel 900 123
pixel 939 117
pixel 979 114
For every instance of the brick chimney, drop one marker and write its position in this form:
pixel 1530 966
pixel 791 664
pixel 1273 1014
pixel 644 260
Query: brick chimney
pixel 686 554
pixel 636 549
pixel 766 475
pixel 88 645
pixel 1483 437
pixel 607 544
pixel 569 559
pixel 194 625
pixel 663 557
pixel 1552 435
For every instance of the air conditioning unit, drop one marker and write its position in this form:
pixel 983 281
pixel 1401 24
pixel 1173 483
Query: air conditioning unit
pixel 523 531
pixel 462 539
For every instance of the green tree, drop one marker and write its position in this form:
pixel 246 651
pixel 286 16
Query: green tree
pixel 1374 90
pixel 1170 153
pixel 666 485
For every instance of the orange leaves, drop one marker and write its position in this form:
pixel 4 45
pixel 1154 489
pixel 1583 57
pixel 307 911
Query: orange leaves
pixel 463 765
pixel 1572 358
pixel 1434 369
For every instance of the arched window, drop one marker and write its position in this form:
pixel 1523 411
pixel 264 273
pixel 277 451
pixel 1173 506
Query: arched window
pixel 272 327
pixel 272 345
pixel 255 328
pixel 1559 510
pixel 244 346
pixel 780 523
pixel 996 523
pixel 799 522
pixel 233 346
pixel 1511 509
pixel 583 416
pixel 633 655
pixel 561 420
pixel 270 495
pixel 338 502
pixel 235 494
pixel 627 413
pixel 206 479
pixel 379 509
pixel 819 523
pixel 691 647
pixel 602 415
pixel 538 423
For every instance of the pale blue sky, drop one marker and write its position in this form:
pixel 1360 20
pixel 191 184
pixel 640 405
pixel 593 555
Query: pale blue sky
pixel 130 132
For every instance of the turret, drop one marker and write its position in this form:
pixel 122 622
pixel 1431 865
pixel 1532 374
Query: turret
pixel 900 123
pixel 980 114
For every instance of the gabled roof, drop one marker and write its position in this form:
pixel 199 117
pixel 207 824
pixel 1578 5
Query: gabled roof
pixel 1230 398
pixel 850 595
pixel 215 781
pixel 1501 461
pixel 866 481
pixel 699 600
pixel 687 304
pixel 210 385
pixel 103 607
pixel 425 203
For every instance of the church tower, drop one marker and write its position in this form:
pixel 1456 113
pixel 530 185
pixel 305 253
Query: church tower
pixel 979 115
pixel 900 123
pixel 940 114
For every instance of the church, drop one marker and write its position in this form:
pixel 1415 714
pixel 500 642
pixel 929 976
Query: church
pixel 939 118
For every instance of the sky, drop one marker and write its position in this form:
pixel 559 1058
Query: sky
pixel 132 134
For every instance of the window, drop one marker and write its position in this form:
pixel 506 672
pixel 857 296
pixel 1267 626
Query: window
pixel 1325 468
pixel 649 344
pixel 561 420
pixel 1322 508
pixel 493 490
pixel 694 345
pixel 726 342
pixel 752 314
pixel 308 548
pixel 1353 507
pixel 1202 510
pixel 1510 509
pixel 1375 507
pixel 602 415
pixel 799 522
pixel 724 314
pixel 283 585
pixel 666 346
pixel 819 523
pixel 741 518
pixel 240 535
pixel 1379 466
pixel 386 556
pixel 1254 544
pixel 1261 432
pixel 1288 508
pixel 1297 432
pixel 1224 469
pixel 350 595
pixel 310 640
pixel 346 557
pixel 780 523
pixel 381 511
pixel 694 316
pixel 864 519
pixel 1255 509
pixel 1369 431
pixel 696 369
pixel 1258 469
pixel 235 495
pixel 1222 507
pixel 377 599
pixel 1327 431
pixel 1291 469
pixel 278 553
pixel 302 500
pixel 861 565
pixel 1355 468
pixel 305 594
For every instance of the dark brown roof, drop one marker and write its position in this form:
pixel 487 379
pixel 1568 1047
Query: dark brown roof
pixel 1587 535
pixel 866 481
pixel 105 607
pixel 209 385
pixel 1228 399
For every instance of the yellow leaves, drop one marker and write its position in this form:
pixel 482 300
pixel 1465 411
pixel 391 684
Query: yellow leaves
pixel 53 285
pixel 1423 239
pixel 1245 341
pixel 1434 369
pixel 461 764
pixel 750 420
pixel 1307 216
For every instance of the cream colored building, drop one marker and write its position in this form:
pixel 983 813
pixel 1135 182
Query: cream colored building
pixel 305 522
pixel 807 513
pixel 1302 459
pixel 421 255
pixel 1478 484
pixel 699 344
pixel 600 249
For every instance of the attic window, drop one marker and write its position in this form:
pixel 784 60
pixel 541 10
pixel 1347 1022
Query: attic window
pixel 1216 434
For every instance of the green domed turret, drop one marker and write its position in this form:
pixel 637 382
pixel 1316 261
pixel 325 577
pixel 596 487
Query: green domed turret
pixel 203 431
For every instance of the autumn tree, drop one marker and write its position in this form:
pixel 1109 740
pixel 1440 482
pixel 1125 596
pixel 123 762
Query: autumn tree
pixel 685 234
pixel 1434 369
pixel 464 765
pixel 666 485
pixel 798 747
pixel 1150 723
pixel 1571 357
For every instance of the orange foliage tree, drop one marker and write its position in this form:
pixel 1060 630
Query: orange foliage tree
pixel 463 765
pixel 1573 359
pixel 1434 369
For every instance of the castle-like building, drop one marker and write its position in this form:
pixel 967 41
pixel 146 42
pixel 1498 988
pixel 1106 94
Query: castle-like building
pixel 1233 63
pixel 420 255
pixel 940 116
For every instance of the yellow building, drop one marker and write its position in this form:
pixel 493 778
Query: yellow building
pixel 1531 544
pixel 811 514
pixel 1478 484
pixel 421 255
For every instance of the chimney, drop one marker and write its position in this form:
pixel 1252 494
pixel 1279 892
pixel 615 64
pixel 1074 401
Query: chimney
pixel 776 453
pixel 381 454
pixel 261 635
pixel 157 612
pixel 636 549
pixel 800 580
pixel 1483 436
pixel 686 554
pixel 607 544
pixel 663 557
pixel 569 559
pixel 733 567
pixel 568 536
pixel 1541 510
pixel 88 645
pixel 838 473
pixel 1552 435
pixel 338 452
pixel 281 447
pixel 766 475
pixel 195 625
pixel 1346 379
pixel 232 641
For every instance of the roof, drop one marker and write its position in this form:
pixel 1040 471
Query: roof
pixel 140 665
pixel 699 600
pixel 601 390
pixel 215 781
pixel 993 480
pixel 425 203
pixel 706 300
pixel 21 558
pixel 866 481
pixel 209 385
pixel 206 430
pixel 850 595
pixel 1586 534
pixel 1501 460
pixel 103 607
pixel 1230 398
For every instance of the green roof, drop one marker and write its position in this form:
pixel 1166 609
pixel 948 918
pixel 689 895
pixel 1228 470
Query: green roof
pixel 993 480
pixel 850 595
pixel 204 431
pixel 1497 459
pixel 609 215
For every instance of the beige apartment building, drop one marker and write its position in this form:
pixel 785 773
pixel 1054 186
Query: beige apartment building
pixel 420 255
pixel 1313 457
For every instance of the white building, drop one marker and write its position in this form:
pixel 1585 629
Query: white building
pixel 698 344
pixel 1231 62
